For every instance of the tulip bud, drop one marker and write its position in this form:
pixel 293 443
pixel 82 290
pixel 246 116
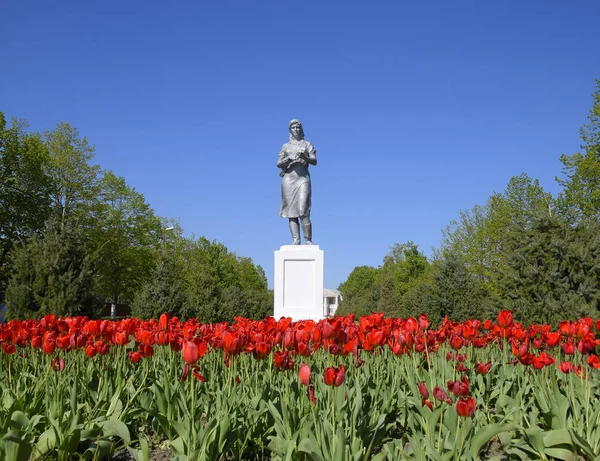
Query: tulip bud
pixel 304 374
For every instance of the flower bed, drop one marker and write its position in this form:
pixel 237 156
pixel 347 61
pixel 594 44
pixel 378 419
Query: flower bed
pixel 377 388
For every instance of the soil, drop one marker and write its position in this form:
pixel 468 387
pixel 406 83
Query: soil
pixel 156 454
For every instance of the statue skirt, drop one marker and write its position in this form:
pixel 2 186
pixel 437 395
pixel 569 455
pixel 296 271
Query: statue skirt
pixel 295 193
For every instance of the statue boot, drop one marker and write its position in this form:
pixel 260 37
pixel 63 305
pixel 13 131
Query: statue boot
pixel 307 230
pixel 295 230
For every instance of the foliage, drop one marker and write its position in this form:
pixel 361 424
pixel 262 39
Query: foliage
pixel 580 197
pixel 125 235
pixel 161 292
pixel 202 279
pixel 216 280
pixel 551 270
pixel 74 181
pixel 480 234
pixel 383 289
pixel 24 189
pixel 360 292
pixel 52 274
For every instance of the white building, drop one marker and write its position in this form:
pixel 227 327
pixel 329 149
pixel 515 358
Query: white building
pixel 331 301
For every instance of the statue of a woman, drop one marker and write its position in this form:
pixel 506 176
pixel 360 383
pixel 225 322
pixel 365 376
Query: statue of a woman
pixel 294 158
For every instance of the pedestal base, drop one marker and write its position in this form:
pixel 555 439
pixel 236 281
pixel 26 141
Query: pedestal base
pixel 299 282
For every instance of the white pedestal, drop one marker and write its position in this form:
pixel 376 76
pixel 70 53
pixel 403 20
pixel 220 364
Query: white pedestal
pixel 299 282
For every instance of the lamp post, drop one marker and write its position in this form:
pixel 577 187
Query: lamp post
pixel 164 238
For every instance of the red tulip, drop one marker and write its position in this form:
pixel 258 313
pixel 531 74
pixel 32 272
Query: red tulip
pixel 311 394
pixel 121 338
pixel 282 361
pixel 232 344
pixel 462 368
pixel 568 347
pixel 552 339
pixel 90 351
pixel 587 344
pixel 459 388
pixel 427 402
pixel 456 342
pixel 505 319
pixel 303 349
pixel 440 394
pixel 190 352
pixel 184 372
pixel 593 361
pixel 261 350
pixel 304 374
pixel 146 350
pixel 163 322
pixel 466 407
pixel 334 376
pixel 9 348
pixel 162 338
pixel 36 342
pixel 423 322
pixel 483 368
pixel 566 367
pixel 48 347
pixel 423 390
pixel 135 357
pixel 327 331
pixel 58 364
pixel 289 339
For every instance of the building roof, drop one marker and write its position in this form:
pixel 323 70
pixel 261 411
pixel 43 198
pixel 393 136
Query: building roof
pixel 331 292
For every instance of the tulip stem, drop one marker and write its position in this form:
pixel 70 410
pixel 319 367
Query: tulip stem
pixel 457 436
pixel 439 443
pixel 333 432
pixel 192 415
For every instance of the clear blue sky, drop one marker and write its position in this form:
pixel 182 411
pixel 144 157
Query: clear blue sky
pixel 417 109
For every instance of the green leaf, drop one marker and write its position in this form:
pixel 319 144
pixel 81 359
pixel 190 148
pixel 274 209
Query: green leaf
pixel 46 442
pixel 561 453
pixel 557 437
pixel 482 436
pixel 116 427
pixel 280 446
pixel 18 421
pixel 535 437
pixel 583 444
pixel 17 451
pixel 307 446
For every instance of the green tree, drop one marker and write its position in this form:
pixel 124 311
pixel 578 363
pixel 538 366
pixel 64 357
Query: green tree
pixel 480 235
pixel 580 197
pixel 161 292
pixel 218 285
pixel 52 274
pixel 125 235
pixel 74 180
pixel 24 189
pixel 458 294
pixel 402 267
pixel 360 292
pixel 551 270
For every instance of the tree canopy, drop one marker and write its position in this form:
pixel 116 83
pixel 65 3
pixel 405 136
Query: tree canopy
pixel 74 236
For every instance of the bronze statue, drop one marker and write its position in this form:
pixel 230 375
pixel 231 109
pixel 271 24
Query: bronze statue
pixel 293 160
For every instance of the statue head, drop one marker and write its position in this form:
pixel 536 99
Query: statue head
pixel 296 131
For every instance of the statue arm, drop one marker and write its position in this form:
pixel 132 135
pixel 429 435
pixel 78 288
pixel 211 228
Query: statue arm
pixel 312 154
pixel 282 159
